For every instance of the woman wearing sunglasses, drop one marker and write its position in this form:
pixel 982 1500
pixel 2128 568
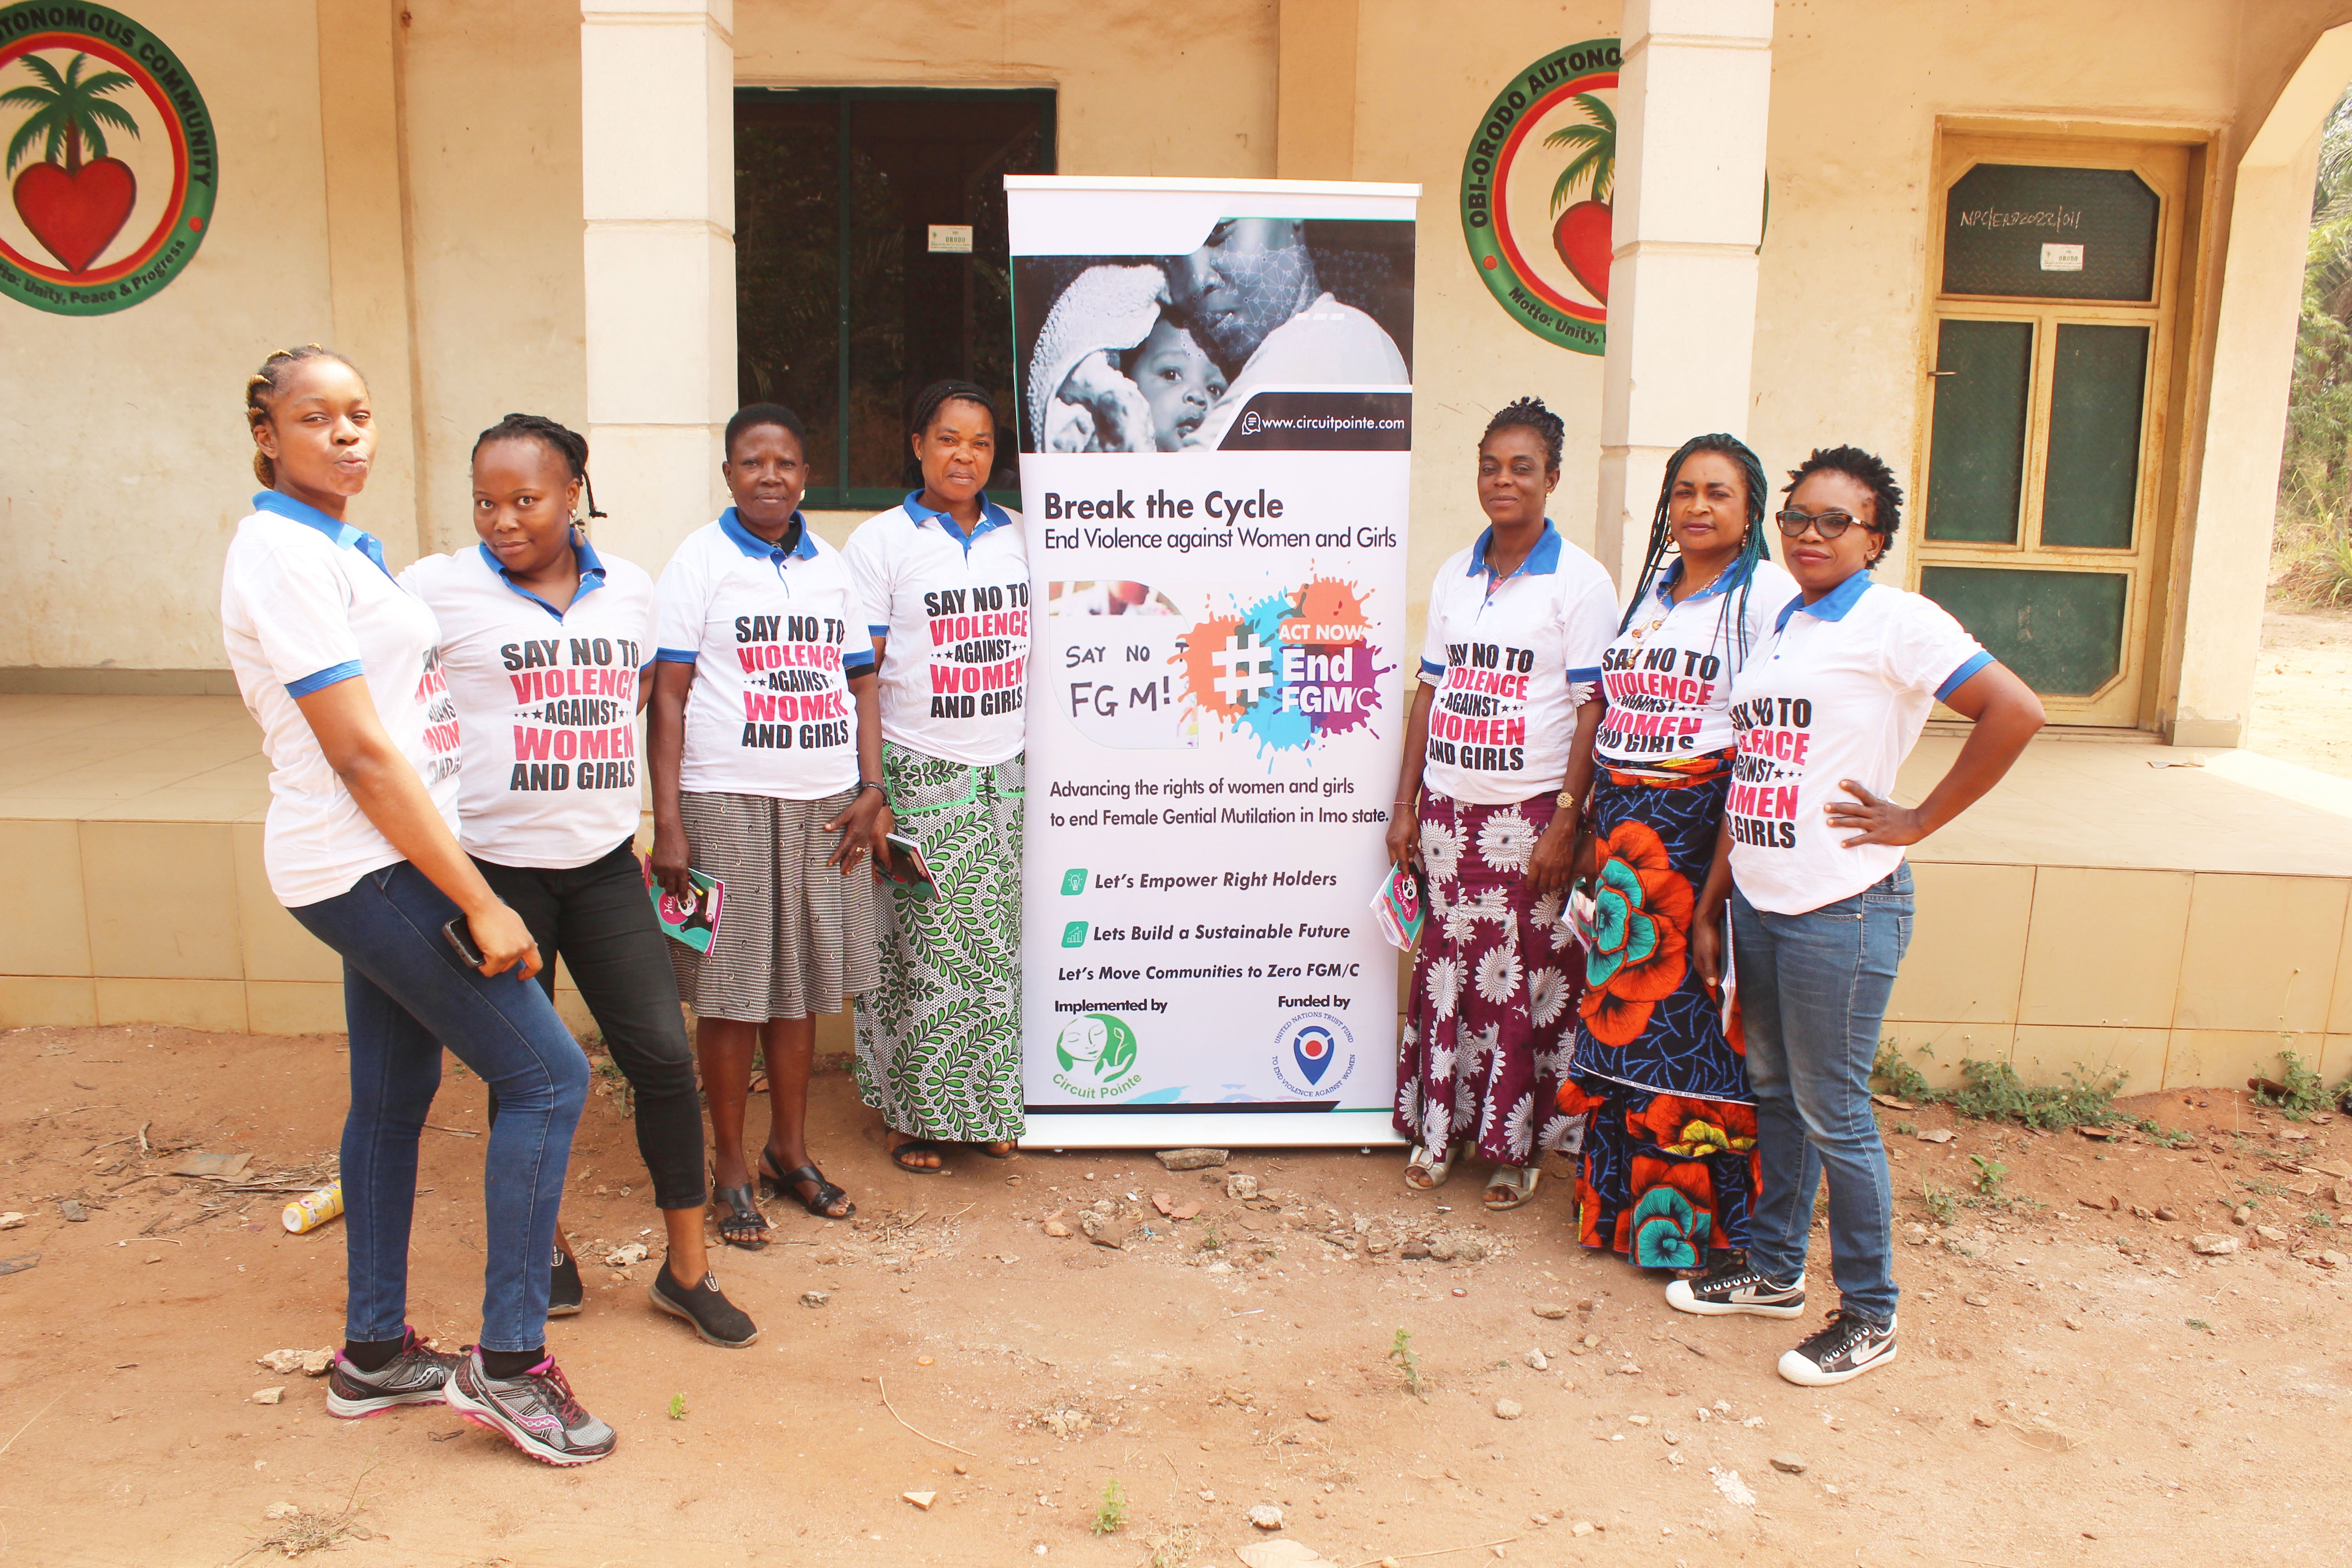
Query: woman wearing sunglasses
pixel 1811 859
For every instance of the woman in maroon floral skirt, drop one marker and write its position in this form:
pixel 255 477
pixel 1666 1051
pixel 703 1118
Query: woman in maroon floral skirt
pixel 1487 804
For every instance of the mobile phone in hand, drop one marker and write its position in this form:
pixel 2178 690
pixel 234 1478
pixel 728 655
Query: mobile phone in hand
pixel 461 937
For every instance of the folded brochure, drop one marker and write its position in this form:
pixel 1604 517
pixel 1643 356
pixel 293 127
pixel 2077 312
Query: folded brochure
pixel 1400 907
pixel 693 920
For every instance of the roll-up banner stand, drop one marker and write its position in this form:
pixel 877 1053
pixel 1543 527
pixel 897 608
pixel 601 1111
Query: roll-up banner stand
pixel 1216 437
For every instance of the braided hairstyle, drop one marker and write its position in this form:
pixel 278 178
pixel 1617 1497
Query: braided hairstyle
pixel 1529 414
pixel 926 409
pixel 1886 496
pixel 1742 569
pixel 261 389
pixel 567 444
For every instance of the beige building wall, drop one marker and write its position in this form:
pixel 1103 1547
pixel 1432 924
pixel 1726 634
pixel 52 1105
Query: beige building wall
pixel 124 461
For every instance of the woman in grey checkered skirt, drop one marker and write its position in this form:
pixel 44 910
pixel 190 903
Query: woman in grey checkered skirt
pixel 766 753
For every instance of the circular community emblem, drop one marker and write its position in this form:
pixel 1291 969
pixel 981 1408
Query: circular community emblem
pixel 110 161
pixel 1536 190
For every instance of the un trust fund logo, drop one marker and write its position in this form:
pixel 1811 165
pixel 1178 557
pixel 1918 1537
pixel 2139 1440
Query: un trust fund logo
pixel 110 162
pixel 1097 1054
pixel 1315 1055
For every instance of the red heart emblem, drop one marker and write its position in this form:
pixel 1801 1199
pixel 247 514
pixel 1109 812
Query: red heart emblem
pixel 77 215
pixel 1583 239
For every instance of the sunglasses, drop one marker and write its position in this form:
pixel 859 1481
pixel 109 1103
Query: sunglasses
pixel 1829 523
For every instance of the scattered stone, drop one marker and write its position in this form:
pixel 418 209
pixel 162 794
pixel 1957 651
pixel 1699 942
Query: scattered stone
pixel 1538 1360
pixel 1184 1211
pixel 1377 1245
pixel 1892 1103
pixel 11 1220
pixel 1469 1250
pixel 2074 1323
pixel 1628 1370
pixel 278 1510
pixel 1282 1553
pixel 1509 1410
pixel 1266 1516
pixel 627 1257
pixel 2165 1211
pixel 1983 1420
pixel 2271 1233
pixel 270 1395
pixel 1110 1233
pixel 1319 1413
pixel 2334 1259
pixel 1414 1250
pixel 311 1364
pixel 2242 1214
pixel 1056 1227
pixel 1552 1310
pixel 73 1211
pixel 815 1298
pixel 1789 1464
pixel 920 1500
pixel 1241 1187
pixel 1936 1135
pixel 1581 1527
pixel 1639 1420
pixel 1728 1482
pixel 1163 1203
pixel 1974 1299
pixel 1442 1248
pixel 2215 1245
pixel 1191 1159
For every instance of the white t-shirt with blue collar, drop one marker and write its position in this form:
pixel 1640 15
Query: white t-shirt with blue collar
pixel 1840 690
pixel 955 610
pixel 1667 675
pixel 306 602
pixel 547 700
pixel 773 636
pixel 1511 661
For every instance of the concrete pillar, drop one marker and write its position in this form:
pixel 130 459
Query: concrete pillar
pixel 1692 98
pixel 657 154
pixel 2225 568
pixel 367 253
pixel 1314 91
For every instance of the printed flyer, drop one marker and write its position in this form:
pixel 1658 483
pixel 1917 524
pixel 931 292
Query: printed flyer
pixel 1216 430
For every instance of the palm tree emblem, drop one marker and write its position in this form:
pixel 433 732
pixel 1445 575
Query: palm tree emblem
pixel 1581 234
pixel 75 208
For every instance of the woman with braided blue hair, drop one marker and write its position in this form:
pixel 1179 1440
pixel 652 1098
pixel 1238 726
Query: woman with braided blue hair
pixel 1668 1159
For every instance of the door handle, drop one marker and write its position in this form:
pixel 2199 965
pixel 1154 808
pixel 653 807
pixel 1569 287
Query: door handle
pixel 1936 372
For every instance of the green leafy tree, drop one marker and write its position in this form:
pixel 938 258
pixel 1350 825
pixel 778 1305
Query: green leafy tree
pixel 1597 157
pixel 2312 549
pixel 70 112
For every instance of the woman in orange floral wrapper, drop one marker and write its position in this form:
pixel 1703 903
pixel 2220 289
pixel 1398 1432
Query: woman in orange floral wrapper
pixel 1668 1164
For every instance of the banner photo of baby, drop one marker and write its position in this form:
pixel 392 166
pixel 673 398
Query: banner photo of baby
pixel 1215 395
pixel 1268 333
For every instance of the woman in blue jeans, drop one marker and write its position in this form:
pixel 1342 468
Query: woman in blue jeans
pixel 1810 862
pixel 338 665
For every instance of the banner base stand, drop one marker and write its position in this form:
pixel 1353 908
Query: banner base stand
pixel 1209 1128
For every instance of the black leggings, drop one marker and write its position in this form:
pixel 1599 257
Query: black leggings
pixel 600 920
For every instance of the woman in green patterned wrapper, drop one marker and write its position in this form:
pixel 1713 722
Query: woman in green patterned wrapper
pixel 944 577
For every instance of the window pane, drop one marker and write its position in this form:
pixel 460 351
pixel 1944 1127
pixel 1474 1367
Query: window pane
pixel 2091 486
pixel 788 266
pixel 1977 464
pixel 2063 632
pixel 917 315
pixel 2051 234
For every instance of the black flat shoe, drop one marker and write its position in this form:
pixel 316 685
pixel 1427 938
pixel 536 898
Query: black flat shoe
pixel 740 1223
pixel 705 1308
pixel 820 1203
pixel 564 1294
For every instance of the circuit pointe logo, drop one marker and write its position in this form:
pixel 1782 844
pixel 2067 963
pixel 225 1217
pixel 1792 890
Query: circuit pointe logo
pixel 111 158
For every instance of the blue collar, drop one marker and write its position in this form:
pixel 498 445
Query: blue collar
pixel 1541 562
pixel 1832 605
pixel 592 576
pixel 344 535
pixel 1730 577
pixel 991 516
pixel 751 544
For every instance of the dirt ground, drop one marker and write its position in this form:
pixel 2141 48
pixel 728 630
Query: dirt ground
pixel 2071 1371
pixel 2300 681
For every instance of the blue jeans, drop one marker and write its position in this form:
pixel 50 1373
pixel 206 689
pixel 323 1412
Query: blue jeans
pixel 1812 994
pixel 407 993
